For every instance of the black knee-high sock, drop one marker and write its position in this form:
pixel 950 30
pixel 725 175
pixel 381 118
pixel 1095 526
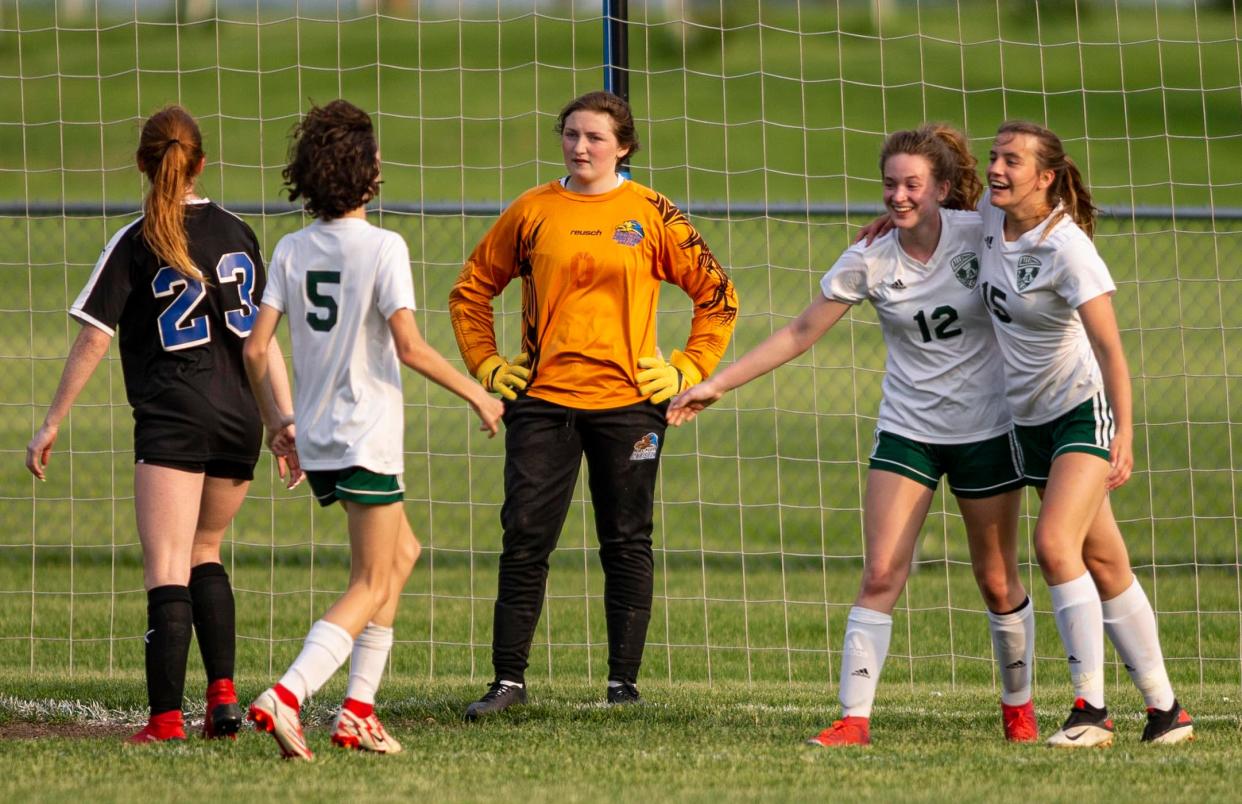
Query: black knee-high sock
pixel 214 619
pixel 169 620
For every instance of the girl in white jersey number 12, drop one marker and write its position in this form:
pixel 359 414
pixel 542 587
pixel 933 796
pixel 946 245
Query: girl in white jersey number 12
pixel 1068 386
pixel 942 414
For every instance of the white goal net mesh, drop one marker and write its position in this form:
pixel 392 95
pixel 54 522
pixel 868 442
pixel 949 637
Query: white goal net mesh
pixel 763 121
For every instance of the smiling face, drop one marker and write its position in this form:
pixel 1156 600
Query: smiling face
pixel 911 193
pixel 591 150
pixel 1017 183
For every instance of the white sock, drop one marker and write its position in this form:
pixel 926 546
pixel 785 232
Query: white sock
pixel 1013 644
pixel 867 634
pixel 1131 626
pixel 367 662
pixel 1076 607
pixel 326 648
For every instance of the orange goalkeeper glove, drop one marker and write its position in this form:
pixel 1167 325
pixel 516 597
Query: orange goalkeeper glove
pixel 661 380
pixel 503 377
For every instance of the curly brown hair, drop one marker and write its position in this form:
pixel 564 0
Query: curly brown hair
pixel 333 160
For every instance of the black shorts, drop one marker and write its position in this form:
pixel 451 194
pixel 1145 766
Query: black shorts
pixel 228 470
pixel 180 428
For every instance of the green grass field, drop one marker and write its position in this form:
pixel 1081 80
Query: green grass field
pixel 689 743
pixel 758 528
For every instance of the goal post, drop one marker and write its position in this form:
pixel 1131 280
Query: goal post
pixel 762 121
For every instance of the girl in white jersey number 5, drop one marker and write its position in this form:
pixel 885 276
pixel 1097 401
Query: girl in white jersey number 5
pixel 942 414
pixel 346 289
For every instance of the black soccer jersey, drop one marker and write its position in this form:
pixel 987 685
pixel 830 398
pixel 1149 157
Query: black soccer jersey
pixel 181 340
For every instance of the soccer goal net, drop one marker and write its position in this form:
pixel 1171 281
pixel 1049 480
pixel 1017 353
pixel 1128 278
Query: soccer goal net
pixel 763 121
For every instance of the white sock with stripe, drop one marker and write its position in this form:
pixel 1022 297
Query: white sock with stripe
pixel 1131 626
pixel 867 634
pixel 1013 644
pixel 1076 607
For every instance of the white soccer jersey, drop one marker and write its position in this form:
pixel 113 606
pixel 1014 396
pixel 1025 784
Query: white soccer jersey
pixel 339 282
pixel 1034 287
pixel 943 373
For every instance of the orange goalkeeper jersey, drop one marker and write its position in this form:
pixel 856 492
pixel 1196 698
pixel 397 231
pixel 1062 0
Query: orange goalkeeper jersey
pixel 591 268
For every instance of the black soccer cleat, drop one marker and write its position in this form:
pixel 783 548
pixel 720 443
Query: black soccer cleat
pixel 1086 727
pixel 498 698
pixel 625 693
pixel 222 721
pixel 1169 726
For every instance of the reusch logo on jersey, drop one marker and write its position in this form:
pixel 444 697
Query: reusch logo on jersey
pixel 966 269
pixel 645 448
pixel 1028 269
pixel 629 233
pixel 586 232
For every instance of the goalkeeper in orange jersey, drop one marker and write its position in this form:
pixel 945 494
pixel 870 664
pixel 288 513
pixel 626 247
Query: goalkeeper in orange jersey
pixel 591 250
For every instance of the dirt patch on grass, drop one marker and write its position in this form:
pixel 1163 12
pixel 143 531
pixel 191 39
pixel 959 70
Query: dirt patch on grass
pixel 70 731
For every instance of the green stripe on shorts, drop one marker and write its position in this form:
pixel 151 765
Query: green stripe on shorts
pixel 355 484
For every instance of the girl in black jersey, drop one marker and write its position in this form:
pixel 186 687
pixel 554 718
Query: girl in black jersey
pixel 181 285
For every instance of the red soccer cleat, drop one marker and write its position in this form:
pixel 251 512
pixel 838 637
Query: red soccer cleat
pixel 846 731
pixel 1020 723
pixel 160 728
pixel 223 717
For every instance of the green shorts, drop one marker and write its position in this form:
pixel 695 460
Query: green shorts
pixel 356 485
pixel 975 470
pixel 1088 428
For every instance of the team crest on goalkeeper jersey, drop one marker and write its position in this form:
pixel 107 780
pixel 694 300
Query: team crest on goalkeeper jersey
pixel 1028 269
pixel 645 448
pixel 966 269
pixel 628 233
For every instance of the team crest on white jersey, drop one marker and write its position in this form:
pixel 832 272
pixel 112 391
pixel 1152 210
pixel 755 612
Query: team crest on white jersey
pixel 1028 269
pixel 645 448
pixel 966 269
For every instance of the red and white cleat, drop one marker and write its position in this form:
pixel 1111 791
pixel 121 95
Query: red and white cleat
pixel 363 733
pixel 276 712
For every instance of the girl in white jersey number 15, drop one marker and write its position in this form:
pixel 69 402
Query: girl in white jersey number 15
pixel 345 286
pixel 1068 386
pixel 942 414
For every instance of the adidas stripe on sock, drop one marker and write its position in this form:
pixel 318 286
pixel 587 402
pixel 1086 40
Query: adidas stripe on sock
pixel 1080 621
pixel 867 634
pixel 1013 644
